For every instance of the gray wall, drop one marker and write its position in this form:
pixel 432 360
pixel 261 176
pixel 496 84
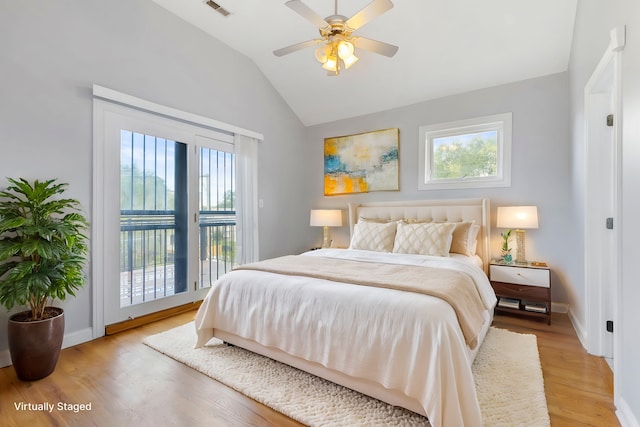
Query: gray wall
pixel 594 20
pixel 540 164
pixel 51 53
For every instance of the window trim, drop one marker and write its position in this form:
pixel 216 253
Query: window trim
pixel 499 122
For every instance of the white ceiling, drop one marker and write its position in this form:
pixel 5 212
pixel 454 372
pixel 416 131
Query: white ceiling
pixel 445 47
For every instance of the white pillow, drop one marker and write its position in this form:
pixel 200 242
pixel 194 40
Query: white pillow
pixel 373 236
pixel 424 238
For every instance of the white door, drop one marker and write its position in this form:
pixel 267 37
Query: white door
pixel 168 215
pixel 601 214
pixel 602 196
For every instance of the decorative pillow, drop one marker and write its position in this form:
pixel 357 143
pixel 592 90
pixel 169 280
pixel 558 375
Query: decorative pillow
pixel 424 238
pixel 464 237
pixel 373 236
pixel 473 238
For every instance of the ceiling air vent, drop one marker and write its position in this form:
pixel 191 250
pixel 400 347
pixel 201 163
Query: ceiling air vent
pixel 216 6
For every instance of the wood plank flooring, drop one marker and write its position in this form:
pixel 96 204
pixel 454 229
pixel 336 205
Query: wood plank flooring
pixel 128 384
pixel 578 386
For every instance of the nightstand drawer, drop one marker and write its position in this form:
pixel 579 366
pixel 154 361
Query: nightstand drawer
pixel 521 292
pixel 520 275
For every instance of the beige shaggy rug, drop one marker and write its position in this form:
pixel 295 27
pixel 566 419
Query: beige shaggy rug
pixel 507 374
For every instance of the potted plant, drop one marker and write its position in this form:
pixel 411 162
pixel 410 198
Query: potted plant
pixel 42 255
pixel 507 258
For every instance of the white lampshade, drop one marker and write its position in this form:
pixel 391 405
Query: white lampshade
pixel 322 53
pixel 331 63
pixel 326 218
pixel 518 217
pixel 345 49
pixel 349 61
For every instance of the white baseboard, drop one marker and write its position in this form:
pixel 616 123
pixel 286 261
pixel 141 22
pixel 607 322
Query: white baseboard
pixel 69 340
pixel 559 307
pixel 624 414
pixel 77 337
pixel 580 331
pixel 5 358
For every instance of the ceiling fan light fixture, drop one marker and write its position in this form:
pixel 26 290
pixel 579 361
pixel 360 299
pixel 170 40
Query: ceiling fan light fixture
pixel 338 44
pixel 349 61
pixel 345 49
pixel 322 53
pixel 331 64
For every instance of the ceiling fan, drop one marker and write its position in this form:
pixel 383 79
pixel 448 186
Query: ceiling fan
pixel 336 39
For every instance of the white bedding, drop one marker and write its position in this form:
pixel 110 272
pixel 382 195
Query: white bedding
pixel 475 259
pixel 409 343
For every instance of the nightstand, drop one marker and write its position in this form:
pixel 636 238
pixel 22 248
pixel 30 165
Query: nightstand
pixel 522 289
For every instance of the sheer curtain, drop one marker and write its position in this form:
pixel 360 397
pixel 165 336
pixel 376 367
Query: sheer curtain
pixel 246 149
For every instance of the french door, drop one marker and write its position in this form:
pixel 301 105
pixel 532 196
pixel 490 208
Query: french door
pixel 169 218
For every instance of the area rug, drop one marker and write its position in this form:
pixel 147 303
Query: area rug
pixel 506 370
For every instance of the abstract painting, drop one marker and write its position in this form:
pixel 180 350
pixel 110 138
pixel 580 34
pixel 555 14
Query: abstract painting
pixel 361 163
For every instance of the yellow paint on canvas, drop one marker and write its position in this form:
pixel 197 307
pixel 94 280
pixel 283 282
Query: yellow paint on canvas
pixel 355 185
pixel 331 147
pixel 344 184
pixel 330 185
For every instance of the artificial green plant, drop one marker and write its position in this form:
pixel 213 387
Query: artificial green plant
pixel 43 247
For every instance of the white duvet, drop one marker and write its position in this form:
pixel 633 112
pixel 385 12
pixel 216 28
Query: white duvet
pixel 407 342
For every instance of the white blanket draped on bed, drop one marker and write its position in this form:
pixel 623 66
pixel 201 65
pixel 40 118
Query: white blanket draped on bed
pixel 405 341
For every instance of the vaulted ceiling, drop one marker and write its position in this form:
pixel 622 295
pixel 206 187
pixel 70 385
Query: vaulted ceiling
pixel 445 47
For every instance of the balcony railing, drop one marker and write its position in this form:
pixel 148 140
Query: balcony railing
pixel 217 245
pixel 148 253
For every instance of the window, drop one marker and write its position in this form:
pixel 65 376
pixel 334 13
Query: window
pixel 473 153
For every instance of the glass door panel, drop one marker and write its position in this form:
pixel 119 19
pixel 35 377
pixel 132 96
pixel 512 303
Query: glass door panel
pixel 153 218
pixel 217 214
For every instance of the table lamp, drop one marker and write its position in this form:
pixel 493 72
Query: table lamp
pixel 326 218
pixel 518 218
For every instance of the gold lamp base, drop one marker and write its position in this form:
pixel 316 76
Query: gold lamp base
pixel 520 256
pixel 326 243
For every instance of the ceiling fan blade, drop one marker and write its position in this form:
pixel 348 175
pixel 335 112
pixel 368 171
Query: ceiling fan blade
pixel 307 13
pixel 382 48
pixel 369 12
pixel 296 47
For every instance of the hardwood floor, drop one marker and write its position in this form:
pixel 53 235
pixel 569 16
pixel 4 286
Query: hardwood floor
pixel 126 383
pixel 578 386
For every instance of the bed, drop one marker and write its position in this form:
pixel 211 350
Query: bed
pixel 360 317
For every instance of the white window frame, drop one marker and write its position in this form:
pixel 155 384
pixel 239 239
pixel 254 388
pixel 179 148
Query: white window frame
pixel 498 122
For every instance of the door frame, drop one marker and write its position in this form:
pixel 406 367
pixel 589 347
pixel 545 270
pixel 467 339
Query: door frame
pixel 603 91
pixel 106 212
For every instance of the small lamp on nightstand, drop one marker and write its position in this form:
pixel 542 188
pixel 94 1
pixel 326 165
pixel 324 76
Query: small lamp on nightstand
pixel 520 218
pixel 326 218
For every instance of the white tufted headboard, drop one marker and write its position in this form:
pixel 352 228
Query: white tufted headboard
pixel 456 210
